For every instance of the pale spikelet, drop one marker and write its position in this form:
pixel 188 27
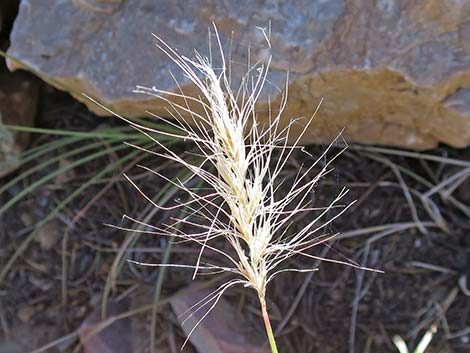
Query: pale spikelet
pixel 245 208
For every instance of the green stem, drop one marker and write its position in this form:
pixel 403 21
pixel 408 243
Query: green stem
pixel 267 324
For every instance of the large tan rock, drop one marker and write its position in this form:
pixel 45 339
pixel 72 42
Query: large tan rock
pixel 390 72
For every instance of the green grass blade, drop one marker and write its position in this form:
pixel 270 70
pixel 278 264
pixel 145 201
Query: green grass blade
pixel 48 162
pixel 55 173
pixel 162 197
pixel 58 208
pixel 35 152
pixel 130 135
pixel 161 277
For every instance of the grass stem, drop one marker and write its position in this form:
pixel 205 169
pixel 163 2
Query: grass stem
pixel 267 324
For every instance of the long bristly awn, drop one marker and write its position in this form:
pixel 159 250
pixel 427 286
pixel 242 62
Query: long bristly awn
pixel 241 160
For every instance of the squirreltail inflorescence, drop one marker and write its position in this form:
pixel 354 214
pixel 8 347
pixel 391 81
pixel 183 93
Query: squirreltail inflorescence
pixel 244 207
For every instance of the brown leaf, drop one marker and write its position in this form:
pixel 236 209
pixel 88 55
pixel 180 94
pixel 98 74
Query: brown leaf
pixel 222 331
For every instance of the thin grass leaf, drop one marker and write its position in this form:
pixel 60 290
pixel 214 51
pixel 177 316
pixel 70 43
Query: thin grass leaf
pixel 41 166
pixel 165 194
pixel 127 134
pixel 59 171
pixel 109 168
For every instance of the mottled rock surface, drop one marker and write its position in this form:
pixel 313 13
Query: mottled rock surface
pixel 391 72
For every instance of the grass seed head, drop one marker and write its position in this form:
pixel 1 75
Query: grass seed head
pixel 242 162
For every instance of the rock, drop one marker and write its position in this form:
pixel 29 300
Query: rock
pixel 223 330
pixel 18 106
pixel 391 72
